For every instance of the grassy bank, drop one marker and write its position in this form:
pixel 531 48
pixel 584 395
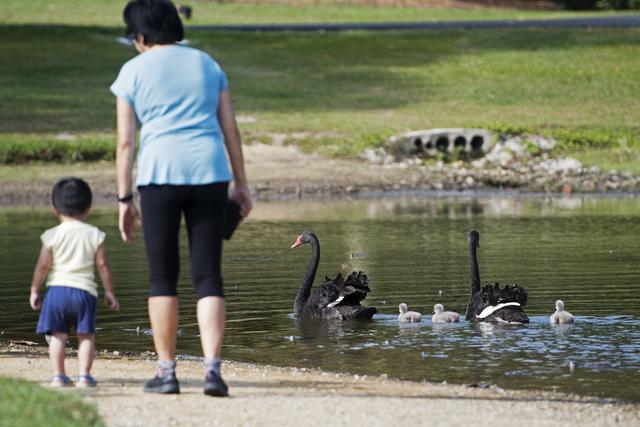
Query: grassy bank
pixel 346 90
pixel 20 148
pixel 24 404
pixel 56 79
pixel 109 12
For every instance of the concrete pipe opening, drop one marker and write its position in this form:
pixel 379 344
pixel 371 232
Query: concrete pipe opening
pixel 442 143
pixel 477 142
pixel 418 143
pixel 460 142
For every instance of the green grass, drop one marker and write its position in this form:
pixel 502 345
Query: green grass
pixel 349 90
pixel 56 79
pixel 608 159
pixel 109 12
pixel 24 404
pixel 24 148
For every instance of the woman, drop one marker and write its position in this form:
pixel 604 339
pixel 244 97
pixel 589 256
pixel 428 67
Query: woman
pixel 181 98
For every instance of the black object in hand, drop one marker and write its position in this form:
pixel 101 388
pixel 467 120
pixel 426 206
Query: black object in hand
pixel 232 219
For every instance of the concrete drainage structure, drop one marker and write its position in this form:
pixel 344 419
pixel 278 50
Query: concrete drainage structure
pixel 457 143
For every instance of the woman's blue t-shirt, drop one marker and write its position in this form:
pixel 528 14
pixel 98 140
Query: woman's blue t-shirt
pixel 174 91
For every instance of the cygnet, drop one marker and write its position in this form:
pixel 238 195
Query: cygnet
pixel 560 316
pixel 441 316
pixel 408 316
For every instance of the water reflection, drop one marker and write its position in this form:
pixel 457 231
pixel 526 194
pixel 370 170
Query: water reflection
pixel 582 250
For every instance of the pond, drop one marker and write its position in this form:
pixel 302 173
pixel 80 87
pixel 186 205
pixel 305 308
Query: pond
pixel 583 250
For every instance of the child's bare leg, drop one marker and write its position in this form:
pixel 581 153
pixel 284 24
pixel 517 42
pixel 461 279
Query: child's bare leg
pixel 86 353
pixel 56 351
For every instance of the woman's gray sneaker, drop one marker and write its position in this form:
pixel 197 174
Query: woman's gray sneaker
pixel 214 385
pixel 167 384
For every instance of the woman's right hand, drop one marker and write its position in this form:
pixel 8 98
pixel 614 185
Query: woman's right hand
pixel 242 196
pixel 128 220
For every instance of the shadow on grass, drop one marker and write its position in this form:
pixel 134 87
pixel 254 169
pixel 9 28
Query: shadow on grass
pixel 57 77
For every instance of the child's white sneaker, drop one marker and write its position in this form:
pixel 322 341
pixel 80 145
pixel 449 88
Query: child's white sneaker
pixel 86 381
pixel 61 380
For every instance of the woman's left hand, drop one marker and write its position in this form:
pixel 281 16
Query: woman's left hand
pixel 242 196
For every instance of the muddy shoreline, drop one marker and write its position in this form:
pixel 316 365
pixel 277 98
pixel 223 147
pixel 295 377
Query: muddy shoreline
pixel 285 173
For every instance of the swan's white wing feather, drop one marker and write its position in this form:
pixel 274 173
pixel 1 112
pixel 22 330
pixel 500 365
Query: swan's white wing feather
pixel 336 302
pixel 488 311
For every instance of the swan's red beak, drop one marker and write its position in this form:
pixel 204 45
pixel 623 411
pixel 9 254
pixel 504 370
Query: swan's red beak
pixel 298 242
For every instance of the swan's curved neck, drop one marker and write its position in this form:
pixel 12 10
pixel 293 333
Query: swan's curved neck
pixel 475 272
pixel 305 287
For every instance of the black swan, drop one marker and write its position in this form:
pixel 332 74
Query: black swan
pixel 490 303
pixel 441 316
pixel 337 298
pixel 406 316
pixel 560 316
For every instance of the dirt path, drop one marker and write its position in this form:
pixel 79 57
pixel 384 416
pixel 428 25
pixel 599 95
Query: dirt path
pixel 279 172
pixel 439 4
pixel 629 21
pixel 269 396
pixel 275 172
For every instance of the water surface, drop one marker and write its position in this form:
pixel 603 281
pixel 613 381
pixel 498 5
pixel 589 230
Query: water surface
pixel 584 250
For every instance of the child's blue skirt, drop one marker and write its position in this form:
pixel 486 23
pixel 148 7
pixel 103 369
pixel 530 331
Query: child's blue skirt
pixel 65 308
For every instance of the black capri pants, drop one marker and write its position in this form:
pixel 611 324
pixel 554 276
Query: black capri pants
pixel 204 208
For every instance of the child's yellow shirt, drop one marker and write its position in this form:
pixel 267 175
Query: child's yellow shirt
pixel 73 245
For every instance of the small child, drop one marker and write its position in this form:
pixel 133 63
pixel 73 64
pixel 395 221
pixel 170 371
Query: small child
pixel 68 254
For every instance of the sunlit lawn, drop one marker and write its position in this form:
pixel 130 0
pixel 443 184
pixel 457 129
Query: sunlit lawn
pixel 352 87
pixel 56 79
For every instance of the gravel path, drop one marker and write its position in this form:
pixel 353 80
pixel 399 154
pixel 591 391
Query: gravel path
pixel 274 172
pixel 270 396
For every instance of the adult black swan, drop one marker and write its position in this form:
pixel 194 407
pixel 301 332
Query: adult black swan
pixel 490 303
pixel 337 298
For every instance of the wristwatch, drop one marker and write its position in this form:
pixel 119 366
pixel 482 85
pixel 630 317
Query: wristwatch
pixel 126 198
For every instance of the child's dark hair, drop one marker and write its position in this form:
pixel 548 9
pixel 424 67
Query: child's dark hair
pixel 71 196
pixel 157 21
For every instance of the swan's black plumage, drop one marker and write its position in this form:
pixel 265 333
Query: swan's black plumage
pixel 354 288
pixel 337 298
pixel 491 295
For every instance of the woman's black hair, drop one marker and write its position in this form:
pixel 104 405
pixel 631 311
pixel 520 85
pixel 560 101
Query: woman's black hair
pixel 71 196
pixel 157 21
